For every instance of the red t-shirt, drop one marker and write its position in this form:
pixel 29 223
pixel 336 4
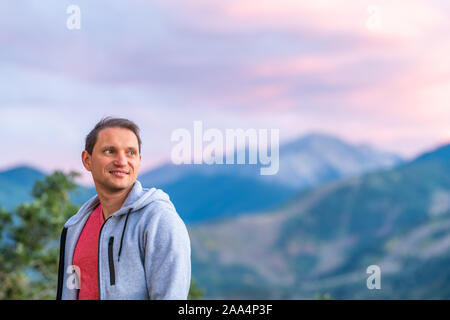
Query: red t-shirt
pixel 86 255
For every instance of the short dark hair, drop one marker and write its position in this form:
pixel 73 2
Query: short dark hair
pixel 110 122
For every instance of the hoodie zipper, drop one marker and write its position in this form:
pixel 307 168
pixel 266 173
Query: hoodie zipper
pixel 98 258
pixel 112 274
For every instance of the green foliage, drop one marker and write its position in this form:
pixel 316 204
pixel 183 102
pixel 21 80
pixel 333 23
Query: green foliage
pixel 195 292
pixel 29 240
pixel 325 296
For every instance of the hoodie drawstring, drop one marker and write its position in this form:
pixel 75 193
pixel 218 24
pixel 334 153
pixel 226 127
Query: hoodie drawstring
pixel 123 232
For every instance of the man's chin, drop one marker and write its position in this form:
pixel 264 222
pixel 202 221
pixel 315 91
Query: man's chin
pixel 117 186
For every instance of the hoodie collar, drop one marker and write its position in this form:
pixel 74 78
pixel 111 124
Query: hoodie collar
pixel 136 199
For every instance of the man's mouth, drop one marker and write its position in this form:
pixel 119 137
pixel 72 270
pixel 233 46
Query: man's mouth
pixel 119 173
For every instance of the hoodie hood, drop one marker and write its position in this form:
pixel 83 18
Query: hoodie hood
pixel 138 198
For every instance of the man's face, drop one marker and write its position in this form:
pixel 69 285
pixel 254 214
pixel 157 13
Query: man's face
pixel 115 159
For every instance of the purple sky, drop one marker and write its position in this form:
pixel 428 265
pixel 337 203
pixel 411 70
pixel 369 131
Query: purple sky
pixel 373 72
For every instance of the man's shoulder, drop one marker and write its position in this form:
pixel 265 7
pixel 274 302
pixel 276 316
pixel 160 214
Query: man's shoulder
pixel 161 212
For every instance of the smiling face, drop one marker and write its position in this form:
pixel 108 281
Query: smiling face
pixel 115 159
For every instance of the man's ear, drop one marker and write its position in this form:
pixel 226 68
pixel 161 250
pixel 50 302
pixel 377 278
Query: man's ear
pixel 86 159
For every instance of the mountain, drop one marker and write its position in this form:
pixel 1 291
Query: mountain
pixel 304 162
pixel 319 158
pixel 199 198
pixel 441 154
pixel 16 185
pixel 323 240
pixel 203 191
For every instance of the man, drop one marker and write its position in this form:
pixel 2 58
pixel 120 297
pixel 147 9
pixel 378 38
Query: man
pixel 127 242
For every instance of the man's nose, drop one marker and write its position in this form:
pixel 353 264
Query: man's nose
pixel 121 159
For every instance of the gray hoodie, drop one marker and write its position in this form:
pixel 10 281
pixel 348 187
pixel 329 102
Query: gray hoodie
pixel 143 249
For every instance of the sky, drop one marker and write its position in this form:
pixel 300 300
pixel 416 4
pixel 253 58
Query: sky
pixel 374 72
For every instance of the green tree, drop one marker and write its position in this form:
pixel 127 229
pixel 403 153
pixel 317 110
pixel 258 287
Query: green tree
pixel 195 292
pixel 321 296
pixel 29 240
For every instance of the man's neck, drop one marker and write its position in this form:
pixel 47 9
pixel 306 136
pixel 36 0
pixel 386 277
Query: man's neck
pixel 112 201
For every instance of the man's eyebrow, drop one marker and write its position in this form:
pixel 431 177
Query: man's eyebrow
pixel 112 147
pixel 108 147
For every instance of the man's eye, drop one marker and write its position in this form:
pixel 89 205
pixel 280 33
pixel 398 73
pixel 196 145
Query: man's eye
pixel 108 151
pixel 131 152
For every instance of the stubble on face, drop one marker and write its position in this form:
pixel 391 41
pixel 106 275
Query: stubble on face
pixel 115 160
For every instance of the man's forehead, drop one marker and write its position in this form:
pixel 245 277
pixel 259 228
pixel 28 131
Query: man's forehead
pixel 117 135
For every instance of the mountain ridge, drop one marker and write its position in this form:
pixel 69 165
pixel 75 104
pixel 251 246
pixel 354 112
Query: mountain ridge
pixel 323 240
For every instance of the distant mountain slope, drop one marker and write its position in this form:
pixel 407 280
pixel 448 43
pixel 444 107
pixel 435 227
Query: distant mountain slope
pixel 16 185
pixel 323 240
pixel 440 154
pixel 318 158
pixel 304 162
pixel 199 198
pixel 197 190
